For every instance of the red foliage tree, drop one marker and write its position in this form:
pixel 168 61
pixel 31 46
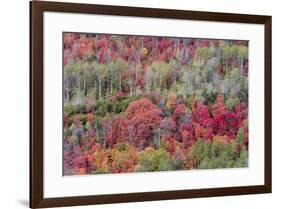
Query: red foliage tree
pixel 227 122
pixel 115 130
pixel 169 128
pixel 143 120
pixel 218 107
pixel 202 116
pixel 139 107
pixel 187 133
pixel 179 113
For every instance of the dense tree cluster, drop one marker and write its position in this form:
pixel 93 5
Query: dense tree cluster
pixel 135 103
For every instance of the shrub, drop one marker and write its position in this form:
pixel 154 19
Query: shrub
pixel 154 160
pixel 82 118
pixel 179 159
pixel 80 108
pixel 69 110
pixel 210 96
pixel 240 137
pixel 124 158
pixel 230 103
pixel 216 154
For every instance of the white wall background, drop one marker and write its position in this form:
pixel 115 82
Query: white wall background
pixel 14 103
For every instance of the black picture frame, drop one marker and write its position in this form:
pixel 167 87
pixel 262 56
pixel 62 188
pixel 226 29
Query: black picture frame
pixel 37 8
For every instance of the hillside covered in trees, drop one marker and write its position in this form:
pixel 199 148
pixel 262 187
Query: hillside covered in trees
pixel 142 103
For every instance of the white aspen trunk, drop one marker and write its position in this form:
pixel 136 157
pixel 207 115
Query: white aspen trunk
pixel 79 88
pixel 226 63
pixel 99 78
pixel 67 92
pixel 132 84
pixel 84 85
pixel 136 80
pixel 111 77
pixel 120 81
pixel 154 82
pixel 156 47
pixel 160 80
pixel 241 65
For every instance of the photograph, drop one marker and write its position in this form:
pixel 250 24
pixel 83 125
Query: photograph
pixel 134 103
pixel 176 103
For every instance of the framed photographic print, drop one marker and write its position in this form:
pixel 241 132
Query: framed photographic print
pixel 139 104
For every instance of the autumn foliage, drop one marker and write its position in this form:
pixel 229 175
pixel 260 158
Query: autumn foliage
pixel 135 104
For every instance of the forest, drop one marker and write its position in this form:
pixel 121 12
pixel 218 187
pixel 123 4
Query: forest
pixel 147 103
